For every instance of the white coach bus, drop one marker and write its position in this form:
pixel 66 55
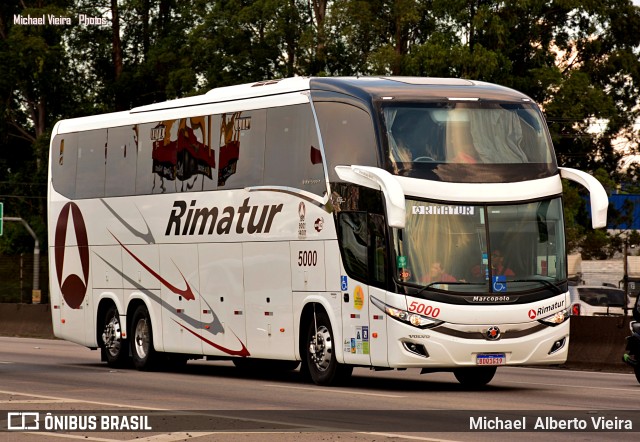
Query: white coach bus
pixel 387 222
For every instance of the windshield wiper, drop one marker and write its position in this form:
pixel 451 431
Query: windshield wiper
pixel 428 286
pixel 554 288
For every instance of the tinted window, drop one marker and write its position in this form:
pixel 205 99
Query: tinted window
pixel 602 297
pixel 64 158
pixel 92 148
pixel 241 143
pixel 354 241
pixel 347 135
pixel 467 141
pixel 147 181
pixel 121 161
pixel 176 156
pixel 293 156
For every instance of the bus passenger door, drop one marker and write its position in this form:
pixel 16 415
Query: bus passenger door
pixel 355 323
pixel 354 235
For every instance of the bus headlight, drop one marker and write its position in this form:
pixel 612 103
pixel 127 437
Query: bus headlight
pixel 406 317
pixel 556 319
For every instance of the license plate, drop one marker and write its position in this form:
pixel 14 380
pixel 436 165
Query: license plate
pixel 491 359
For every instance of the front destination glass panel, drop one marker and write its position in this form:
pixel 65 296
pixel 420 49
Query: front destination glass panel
pixel 460 248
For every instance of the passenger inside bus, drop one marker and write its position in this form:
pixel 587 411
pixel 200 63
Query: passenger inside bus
pixel 437 274
pixel 497 264
pixel 412 136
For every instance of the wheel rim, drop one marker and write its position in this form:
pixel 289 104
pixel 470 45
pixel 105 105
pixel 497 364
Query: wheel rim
pixel 321 348
pixel 112 336
pixel 141 338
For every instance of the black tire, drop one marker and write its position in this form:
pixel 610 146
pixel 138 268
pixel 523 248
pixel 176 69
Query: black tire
pixel 319 361
pixel 115 349
pixel 143 354
pixel 474 377
pixel 636 370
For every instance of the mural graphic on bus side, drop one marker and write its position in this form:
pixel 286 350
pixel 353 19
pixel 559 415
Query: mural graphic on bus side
pixel 73 287
pixel 182 149
pixel 230 127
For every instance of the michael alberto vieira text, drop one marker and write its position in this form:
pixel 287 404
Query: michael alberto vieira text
pixel 549 423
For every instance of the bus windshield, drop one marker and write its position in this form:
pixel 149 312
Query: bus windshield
pixel 491 141
pixel 481 248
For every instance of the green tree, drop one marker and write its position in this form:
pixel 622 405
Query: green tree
pixel 38 85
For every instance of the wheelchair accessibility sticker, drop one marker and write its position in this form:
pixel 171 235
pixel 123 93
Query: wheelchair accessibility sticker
pixel 500 283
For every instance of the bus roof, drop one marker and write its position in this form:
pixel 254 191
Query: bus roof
pixel 365 88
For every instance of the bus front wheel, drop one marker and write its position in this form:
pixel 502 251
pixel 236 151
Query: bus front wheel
pixel 142 350
pixel 474 377
pixel 319 361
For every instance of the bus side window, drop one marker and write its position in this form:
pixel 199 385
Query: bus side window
pixel 63 164
pixel 121 161
pixel 92 157
pixel 241 145
pixel 293 157
pixel 348 136
pixel 354 242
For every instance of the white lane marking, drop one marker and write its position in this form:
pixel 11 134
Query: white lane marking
pixel 351 392
pixel 38 401
pixel 72 436
pixel 5 362
pixel 171 437
pixel 573 386
pixel 404 436
pixel 108 404
pixel 608 373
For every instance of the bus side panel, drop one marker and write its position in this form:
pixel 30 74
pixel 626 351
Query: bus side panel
pixel 307 266
pixel 332 266
pixel 267 281
pixel 71 287
pixel 106 272
pixel 76 320
pixel 136 277
pixel 222 291
pixel 138 282
pixel 180 292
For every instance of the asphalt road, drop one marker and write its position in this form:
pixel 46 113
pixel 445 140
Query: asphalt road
pixel 215 401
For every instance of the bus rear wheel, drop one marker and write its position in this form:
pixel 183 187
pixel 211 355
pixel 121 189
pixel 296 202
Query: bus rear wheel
pixel 474 377
pixel 114 347
pixel 142 351
pixel 319 361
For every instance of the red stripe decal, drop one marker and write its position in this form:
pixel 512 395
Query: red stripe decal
pixel 187 293
pixel 242 352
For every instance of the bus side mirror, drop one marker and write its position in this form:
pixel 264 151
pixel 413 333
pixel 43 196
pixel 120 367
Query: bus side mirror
pixel 379 179
pixel 598 196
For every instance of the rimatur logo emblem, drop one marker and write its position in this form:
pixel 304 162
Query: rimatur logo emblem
pixel 73 287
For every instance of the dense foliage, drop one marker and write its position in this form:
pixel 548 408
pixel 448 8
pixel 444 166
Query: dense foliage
pixel 579 59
